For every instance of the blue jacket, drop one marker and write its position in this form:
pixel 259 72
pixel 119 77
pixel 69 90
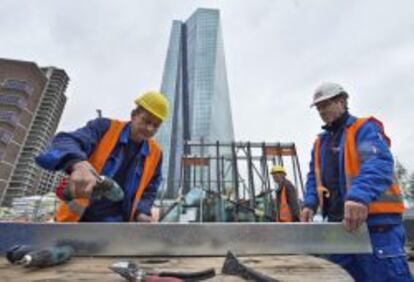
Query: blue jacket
pixel 124 165
pixel 376 171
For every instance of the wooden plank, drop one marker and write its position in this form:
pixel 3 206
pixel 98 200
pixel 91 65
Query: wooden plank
pixel 285 268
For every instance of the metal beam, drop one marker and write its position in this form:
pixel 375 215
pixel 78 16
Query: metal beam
pixel 409 225
pixel 193 239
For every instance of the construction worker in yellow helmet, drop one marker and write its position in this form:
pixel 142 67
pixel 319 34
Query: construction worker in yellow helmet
pixel 286 199
pixel 124 151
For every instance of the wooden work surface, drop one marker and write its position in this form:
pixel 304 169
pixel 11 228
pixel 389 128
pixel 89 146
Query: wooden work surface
pixel 284 268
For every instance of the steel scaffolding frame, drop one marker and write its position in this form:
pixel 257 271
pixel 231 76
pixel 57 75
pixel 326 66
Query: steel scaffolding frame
pixel 218 167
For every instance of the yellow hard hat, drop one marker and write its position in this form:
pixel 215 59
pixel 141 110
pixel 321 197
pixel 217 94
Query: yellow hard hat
pixel 278 168
pixel 155 103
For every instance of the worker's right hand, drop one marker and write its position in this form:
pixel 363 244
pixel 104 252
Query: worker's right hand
pixel 82 180
pixel 355 214
pixel 306 215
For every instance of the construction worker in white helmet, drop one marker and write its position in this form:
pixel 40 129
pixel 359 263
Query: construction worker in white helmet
pixel 352 178
pixel 286 198
pixel 123 151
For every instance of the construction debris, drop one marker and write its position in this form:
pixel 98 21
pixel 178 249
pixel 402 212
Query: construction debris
pixel 30 208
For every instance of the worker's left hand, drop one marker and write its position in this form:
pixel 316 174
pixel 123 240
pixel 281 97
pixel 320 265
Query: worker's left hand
pixel 142 217
pixel 306 215
pixel 354 215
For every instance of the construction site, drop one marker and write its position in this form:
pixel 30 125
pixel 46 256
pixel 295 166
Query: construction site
pixel 172 195
pixel 209 230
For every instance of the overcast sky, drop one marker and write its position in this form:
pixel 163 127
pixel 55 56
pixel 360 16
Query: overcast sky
pixel 277 52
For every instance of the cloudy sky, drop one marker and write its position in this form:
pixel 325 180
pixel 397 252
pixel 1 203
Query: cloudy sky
pixel 277 52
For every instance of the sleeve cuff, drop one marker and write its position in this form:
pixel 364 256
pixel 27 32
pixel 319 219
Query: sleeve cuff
pixel 68 166
pixel 355 199
pixel 312 207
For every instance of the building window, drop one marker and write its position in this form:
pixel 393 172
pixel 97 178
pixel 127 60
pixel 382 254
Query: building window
pixel 14 100
pixel 5 136
pixel 18 85
pixel 9 117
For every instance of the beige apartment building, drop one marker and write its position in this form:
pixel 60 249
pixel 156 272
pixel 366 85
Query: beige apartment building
pixel 31 104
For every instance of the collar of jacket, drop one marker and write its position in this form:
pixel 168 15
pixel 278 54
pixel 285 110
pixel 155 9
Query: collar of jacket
pixel 338 123
pixel 350 120
pixel 123 140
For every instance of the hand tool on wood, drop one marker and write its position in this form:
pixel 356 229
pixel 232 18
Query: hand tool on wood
pixel 46 257
pixel 131 272
pixel 31 256
pixel 232 266
pixel 17 252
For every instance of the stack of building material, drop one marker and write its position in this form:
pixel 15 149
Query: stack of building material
pixel 31 208
pixel 5 212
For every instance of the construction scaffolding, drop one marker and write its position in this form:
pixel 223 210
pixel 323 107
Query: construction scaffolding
pixel 235 176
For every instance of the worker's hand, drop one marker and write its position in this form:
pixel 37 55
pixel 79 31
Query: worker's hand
pixel 306 215
pixel 142 217
pixel 82 180
pixel 354 215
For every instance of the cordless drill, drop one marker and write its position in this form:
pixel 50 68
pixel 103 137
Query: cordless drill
pixel 30 256
pixel 105 188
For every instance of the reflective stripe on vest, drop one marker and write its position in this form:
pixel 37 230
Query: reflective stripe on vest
pixel 391 199
pixel 74 210
pixel 284 214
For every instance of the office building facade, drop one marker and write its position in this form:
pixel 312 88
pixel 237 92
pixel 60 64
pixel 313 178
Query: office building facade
pixel 195 83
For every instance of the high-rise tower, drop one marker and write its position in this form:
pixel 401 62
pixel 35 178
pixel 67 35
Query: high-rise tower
pixel 31 104
pixel 195 83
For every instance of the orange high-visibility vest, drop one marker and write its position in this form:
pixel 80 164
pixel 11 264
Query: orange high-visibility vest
pixel 284 213
pixel 391 199
pixel 72 212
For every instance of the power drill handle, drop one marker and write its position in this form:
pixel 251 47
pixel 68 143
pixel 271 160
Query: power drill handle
pixel 48 256
pixel 105 187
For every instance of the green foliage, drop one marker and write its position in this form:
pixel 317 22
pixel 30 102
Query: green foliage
pixel 411 185
pixel 406 182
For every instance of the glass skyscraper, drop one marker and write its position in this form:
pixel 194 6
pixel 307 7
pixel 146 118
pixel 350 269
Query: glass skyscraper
pixel 195 83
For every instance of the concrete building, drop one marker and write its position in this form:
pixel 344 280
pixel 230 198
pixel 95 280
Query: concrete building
pixel 31 104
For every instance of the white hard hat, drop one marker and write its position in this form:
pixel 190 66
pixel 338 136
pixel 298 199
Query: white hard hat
pixel 327 90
